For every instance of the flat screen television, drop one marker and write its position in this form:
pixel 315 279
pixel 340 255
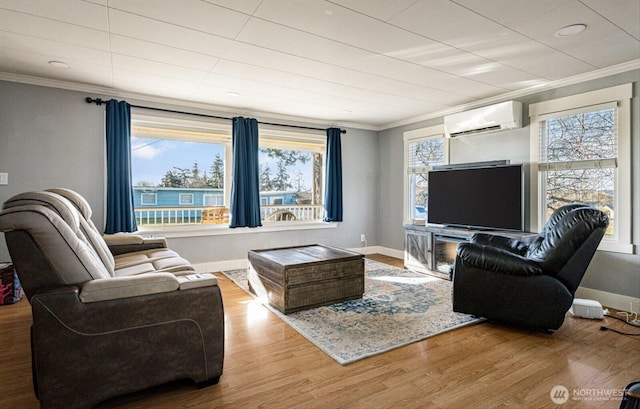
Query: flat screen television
pixel 487 197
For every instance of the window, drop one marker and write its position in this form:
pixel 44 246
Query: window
pixel 187 164
pixel 291 174
pixel 148 199
pixel 580 154
pixel 424 148
pixel 212 200
pixel 183 161
pixel 186 199
pixel 277 200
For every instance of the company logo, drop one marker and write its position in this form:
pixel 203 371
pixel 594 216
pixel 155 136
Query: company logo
pixel 559 394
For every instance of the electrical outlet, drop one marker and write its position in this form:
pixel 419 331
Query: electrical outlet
pixel 4 178
pixel 363 237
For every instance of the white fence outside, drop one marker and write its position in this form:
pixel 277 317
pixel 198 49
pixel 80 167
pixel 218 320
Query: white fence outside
pixel 184 215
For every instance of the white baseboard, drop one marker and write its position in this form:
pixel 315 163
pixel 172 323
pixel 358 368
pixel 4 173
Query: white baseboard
pixel 379 250
pixel 223 265
pixel 617 301
pixel 237 264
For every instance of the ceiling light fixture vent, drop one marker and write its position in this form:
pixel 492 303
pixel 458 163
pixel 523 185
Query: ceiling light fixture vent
pixel 59 64
pixel 502 116
pixel 571 30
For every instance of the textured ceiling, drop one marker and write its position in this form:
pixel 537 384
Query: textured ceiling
pixel 368 62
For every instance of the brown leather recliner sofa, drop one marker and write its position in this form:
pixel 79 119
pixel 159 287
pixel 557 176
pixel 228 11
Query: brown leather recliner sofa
pixel 105 325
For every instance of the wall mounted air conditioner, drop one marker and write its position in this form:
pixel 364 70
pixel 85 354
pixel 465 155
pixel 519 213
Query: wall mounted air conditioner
pixel 505 115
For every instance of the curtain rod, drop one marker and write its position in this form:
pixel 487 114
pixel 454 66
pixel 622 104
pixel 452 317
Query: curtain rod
pixel 100 101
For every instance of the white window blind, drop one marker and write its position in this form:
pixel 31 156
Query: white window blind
pixel 582 138
pixel 423 155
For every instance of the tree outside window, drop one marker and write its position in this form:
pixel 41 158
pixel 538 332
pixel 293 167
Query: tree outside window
pixel 422 156
pixel 291 177
pixel 578 158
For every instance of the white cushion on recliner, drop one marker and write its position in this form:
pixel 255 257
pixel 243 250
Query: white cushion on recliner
pixel 74 212
pixel 71 258
pixel 172 264
pixel 135 269
pixel 162 260
pixel 58 204
pixel 126 264
pixel 91 233
pixel 144 256
pixel 76 199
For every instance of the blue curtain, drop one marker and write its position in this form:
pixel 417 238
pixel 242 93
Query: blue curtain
pixel 333 193
pixel 245 185
pixel 120 214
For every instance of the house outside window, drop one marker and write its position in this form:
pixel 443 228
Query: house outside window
pixel 423 149
pixel 580 153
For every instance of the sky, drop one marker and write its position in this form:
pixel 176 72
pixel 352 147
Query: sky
pixel 152 158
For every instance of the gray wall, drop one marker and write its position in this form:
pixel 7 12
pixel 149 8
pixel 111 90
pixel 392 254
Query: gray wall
pixel 52 138
pixel 611 272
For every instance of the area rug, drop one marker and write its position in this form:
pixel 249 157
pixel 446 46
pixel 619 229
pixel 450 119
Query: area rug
pixel 399 307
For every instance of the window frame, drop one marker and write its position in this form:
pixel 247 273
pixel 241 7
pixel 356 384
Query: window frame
pixel 190 200
pixel 416 136
pixel 206 197
pixel 206 130
pixel 620 96
pixel 309 141
pixel 223 135
pixel 155 198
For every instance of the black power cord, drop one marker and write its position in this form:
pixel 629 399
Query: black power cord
pixel 603 328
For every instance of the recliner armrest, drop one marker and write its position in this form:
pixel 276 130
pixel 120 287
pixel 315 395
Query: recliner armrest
pixel 502 242
pixel 128 286
pixel 60 289
pixel 129 243
pixel 196 280
pixel 497 260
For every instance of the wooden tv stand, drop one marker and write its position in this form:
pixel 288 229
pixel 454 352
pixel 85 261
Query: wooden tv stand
pixel 431 249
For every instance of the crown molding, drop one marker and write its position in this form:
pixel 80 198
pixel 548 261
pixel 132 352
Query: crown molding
pixel 576 79
pixel 293 120
pixel 107 92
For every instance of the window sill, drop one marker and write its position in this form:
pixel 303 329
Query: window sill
pixel 223 229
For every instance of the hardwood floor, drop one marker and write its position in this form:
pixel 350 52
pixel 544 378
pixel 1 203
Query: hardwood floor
pixel 269 365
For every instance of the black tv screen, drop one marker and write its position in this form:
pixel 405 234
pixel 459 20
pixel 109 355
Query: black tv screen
pixel 482 197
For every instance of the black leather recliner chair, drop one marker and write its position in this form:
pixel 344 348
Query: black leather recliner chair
pixel 528 284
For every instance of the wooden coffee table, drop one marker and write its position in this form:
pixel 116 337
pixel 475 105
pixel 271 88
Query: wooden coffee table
pixel 296 278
